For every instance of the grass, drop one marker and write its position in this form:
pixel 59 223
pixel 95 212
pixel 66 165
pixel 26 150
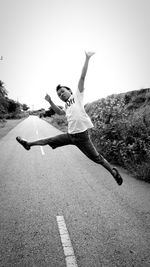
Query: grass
pixel 7 125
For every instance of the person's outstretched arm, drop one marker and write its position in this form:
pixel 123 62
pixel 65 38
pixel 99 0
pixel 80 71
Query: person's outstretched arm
pixel 84 71
pixel 58 110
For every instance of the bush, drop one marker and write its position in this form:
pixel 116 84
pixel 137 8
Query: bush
pixel 15 115
pixel 124 138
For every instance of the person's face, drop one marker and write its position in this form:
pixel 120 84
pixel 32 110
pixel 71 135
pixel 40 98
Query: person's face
pixel 63 94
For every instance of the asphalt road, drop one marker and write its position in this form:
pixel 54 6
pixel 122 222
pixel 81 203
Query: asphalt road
pixel 107 225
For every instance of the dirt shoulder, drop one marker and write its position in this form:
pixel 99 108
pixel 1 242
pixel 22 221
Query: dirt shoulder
pixel 6 126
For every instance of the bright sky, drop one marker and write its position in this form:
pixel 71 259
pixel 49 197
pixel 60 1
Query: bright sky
pixel 43 43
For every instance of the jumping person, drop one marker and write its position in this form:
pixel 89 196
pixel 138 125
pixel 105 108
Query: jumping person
pixel 78 124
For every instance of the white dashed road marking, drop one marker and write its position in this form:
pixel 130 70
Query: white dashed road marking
pixel 66 243
pixel 42 150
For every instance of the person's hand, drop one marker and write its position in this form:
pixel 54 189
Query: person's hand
pixel 89 54
pixel 47 98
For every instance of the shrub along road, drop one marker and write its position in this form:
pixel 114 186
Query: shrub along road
pixel 108 225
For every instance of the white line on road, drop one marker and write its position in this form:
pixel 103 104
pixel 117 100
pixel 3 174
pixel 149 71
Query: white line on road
pixel 66 243
pixel 42 150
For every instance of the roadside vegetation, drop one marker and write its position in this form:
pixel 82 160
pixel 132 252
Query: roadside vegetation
pixel 9 108
pixel 11 112
pixel 122 130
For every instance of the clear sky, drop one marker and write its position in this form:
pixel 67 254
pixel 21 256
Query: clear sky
pixel 43 43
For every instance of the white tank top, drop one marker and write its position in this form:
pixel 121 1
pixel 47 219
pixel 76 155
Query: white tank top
pixel 78 120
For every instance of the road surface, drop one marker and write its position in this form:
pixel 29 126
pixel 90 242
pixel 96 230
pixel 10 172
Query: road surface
pixel 58 208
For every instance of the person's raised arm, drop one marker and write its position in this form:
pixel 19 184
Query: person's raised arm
pixel 84 71
pixel 58 110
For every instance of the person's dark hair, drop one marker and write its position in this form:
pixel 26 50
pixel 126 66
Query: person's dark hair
pixel 60 86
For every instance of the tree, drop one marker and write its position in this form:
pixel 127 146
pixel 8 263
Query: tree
pixel 3 100
pixel 25 107
pixel 13 106
pixel 3 91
